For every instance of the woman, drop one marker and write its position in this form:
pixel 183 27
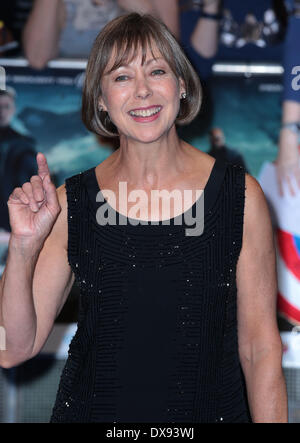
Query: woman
pixel 169 323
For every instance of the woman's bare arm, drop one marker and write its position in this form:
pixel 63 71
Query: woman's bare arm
pixel 260 346
pixel 34 288
pixel 42 31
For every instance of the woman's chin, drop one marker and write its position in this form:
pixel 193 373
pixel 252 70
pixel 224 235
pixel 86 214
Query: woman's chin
pixel 145 136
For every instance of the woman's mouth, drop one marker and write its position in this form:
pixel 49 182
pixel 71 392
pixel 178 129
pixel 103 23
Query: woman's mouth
pixel 146 115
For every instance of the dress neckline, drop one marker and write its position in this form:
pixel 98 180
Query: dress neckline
pixel 209 194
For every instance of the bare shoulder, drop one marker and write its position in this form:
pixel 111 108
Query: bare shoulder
pixel 197 168
pixel 201 161
pixel 257 220
pixel 198 155
pixel 206 159
pixel 253 187
pixel 255 199
pixel 105 168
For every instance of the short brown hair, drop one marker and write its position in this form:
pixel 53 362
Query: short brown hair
pixel 128 33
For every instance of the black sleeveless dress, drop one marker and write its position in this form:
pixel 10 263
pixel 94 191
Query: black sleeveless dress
pixel 157 329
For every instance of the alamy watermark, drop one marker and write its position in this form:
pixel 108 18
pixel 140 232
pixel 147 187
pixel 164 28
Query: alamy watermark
pixel 296 80
pixel 107 214
pixel 2 339
pixel 2 79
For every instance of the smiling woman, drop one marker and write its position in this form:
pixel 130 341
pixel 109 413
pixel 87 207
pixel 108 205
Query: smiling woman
pixel 114 51
pixel 173 326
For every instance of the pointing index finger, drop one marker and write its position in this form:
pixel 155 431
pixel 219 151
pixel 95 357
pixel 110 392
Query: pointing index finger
pixel 43 169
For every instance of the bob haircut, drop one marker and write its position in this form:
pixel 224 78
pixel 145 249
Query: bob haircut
pixel 128 34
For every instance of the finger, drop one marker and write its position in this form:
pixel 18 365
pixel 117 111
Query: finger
pixel 37 186
pixel 290 186
pixel 43 169
pixel 51 195
pixel 294 176
pixel 297 176
pixel 279 181
pixel 19 194
pixel 27 188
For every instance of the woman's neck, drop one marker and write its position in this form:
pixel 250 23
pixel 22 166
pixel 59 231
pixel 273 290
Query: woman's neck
pixel 150 164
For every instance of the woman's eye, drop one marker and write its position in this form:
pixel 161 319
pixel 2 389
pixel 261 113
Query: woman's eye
pixel 158 72
pixel 124 77
pixel 121 78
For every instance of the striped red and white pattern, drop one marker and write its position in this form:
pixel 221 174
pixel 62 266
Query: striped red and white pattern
pixel 288 265
pixel 285 214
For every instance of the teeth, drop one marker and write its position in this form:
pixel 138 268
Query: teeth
pixel 145 113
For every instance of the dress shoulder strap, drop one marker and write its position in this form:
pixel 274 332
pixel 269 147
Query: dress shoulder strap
pixel 74 201
pixel 237 186
pixel 214 184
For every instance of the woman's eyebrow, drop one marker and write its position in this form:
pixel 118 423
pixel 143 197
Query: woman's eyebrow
pixel 154 60
pixel 125 65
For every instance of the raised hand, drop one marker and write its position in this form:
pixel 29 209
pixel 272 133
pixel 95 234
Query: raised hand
pixel 288 163
pixel 34 207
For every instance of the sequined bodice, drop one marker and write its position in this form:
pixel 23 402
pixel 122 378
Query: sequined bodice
pixel 157 330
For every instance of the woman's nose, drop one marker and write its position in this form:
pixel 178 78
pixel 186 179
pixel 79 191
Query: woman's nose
pixel 143 89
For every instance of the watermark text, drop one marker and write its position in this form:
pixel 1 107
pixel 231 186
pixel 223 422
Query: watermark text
pixel 2 339
pixel 296 80
pixel 181 202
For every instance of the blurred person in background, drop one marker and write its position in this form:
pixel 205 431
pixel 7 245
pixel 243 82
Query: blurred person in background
pixel 64 28
pixel 17 154
pixel 218 149
pixel 230 30
pixel 6 39
pixel 288 159
pixel 266 30
pixel 68 28
pixel 13 16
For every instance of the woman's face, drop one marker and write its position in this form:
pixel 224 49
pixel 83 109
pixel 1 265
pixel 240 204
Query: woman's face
pixel 142 101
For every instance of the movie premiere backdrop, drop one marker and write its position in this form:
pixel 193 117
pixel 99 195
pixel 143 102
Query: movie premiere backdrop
pixel 246 108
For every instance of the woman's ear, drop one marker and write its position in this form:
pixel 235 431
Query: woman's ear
pixel 101 105
pixel 182 87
